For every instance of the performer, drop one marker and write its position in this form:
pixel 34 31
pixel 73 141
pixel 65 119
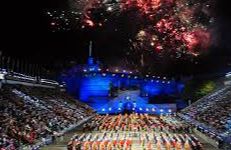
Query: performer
pixel 158 145
pixel 186 145
pixel 168 146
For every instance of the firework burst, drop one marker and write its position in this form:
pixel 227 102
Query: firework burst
pixel 174 28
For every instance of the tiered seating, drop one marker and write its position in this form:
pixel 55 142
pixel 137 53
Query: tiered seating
pixel 33 116
pixel 6 142
pixel 135 132
pixel 54 95
pixel 212 112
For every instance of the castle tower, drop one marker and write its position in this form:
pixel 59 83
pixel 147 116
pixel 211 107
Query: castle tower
pixel 90 58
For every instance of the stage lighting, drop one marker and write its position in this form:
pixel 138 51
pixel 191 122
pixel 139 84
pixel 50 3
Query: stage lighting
pixel 109 8
pixel 140 109
pixel 161 110
pixel 92 69
pixel 119 108
pixel 153 109
pixel 109 109
pixel 147 109
pixel 53 23
pixel 103 109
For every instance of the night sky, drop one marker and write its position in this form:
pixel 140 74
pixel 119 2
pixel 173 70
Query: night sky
pixel 25 34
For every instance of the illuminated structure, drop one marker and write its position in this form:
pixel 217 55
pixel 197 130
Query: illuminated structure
pixel 114 91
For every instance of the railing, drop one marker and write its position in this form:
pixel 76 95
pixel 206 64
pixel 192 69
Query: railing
pixel 49 81
pixel 4 75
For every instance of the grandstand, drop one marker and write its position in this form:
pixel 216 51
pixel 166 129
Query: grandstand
pixel 32 115
pixel 211 114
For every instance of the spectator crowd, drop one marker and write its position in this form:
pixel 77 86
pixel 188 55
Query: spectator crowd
pixel 211 114
pixel 32 114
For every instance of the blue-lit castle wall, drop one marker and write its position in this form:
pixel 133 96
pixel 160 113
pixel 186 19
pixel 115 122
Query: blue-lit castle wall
pixel 156 87
pixel 93 86
pixel 96 84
